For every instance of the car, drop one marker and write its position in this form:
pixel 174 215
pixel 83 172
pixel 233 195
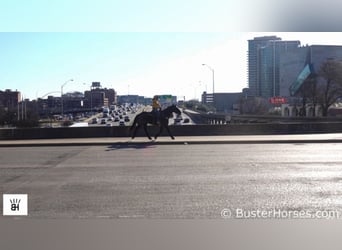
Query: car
pixel 177 120
pixel 186 120
pixel 103 121
pixel 121 123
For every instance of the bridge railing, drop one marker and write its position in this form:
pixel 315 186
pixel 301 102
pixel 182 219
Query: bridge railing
pixel 181 130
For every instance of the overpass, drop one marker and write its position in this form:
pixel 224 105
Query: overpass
pixel 208 118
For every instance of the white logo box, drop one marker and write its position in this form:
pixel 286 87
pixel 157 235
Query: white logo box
pixel 15 205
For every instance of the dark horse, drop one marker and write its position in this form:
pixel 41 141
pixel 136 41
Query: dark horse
pixel 145 118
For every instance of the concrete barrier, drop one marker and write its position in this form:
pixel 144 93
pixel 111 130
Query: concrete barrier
pixel 182 130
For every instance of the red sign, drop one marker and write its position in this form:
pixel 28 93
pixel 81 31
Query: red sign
pixel 277 100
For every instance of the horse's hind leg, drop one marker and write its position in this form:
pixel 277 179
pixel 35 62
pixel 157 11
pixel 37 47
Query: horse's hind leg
pixel 168 130
pixel 134 131
pixel 145 129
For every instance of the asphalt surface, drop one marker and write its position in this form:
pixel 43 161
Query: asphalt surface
pixel 229 139
pixel 120 179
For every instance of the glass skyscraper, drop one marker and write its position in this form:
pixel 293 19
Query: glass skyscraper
pixel 263 64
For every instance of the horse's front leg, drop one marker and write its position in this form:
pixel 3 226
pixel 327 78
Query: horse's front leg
pixel 146 132
pixel 160 131
pixel 168 130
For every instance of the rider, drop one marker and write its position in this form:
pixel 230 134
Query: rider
pixel 156 108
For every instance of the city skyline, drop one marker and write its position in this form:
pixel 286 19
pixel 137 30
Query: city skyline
pixel 141 63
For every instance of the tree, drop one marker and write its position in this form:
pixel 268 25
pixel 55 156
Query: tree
pixel 7 117
pixel 253 105
pixel 329 87
pixel 10 117
pixel 309 94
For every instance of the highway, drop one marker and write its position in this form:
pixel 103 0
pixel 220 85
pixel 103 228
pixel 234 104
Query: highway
pixel 109 120
pixel 174 180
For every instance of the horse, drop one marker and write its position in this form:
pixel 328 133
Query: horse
pixel 145 118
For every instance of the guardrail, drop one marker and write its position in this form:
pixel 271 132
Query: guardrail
pixel 222 118
pixel 181 130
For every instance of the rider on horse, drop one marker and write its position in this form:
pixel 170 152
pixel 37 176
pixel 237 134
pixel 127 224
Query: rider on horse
pixel 156 109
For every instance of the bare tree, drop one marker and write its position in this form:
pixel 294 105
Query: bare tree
pixel 309 94
pixel 253 105
pixel 329 87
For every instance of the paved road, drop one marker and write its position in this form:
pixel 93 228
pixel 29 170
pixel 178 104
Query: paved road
pixel 229 139
pixel 173 181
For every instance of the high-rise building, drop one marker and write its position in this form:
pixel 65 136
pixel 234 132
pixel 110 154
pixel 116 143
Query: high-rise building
pixel 9 99
pixel 254 47
pixel 98 97
pixel 297 65
pixel 263 64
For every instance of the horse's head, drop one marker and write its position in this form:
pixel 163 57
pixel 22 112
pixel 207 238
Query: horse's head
pixel 174 109
pixel 171 109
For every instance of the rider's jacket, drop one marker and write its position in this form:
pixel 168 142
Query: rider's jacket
pixel 155 104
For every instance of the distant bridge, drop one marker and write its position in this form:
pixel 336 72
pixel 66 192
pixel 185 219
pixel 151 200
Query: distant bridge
pixel 70 111
pixel 208 118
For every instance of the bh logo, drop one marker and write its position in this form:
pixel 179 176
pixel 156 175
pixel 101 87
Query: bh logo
pixel 15 204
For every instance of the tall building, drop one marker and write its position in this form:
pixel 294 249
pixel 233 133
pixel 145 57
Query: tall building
pixel 9 99
pixel 297 65
pixel 254 47
pixel 224 102
pixel 73 100
pixel 264 55
pixel 98 97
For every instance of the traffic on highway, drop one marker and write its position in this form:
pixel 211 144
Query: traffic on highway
pixel 123 115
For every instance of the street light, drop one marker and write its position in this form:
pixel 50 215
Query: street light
pixel 70 80
pixel 212 70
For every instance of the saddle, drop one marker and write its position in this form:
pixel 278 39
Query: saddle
pixel 155 117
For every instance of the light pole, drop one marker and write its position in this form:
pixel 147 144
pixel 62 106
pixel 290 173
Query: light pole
pixel 212 70
pixel 70 80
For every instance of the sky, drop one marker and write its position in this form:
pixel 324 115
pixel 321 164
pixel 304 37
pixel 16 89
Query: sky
pixel 143 47
pixel 131 63
pixel 142 63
